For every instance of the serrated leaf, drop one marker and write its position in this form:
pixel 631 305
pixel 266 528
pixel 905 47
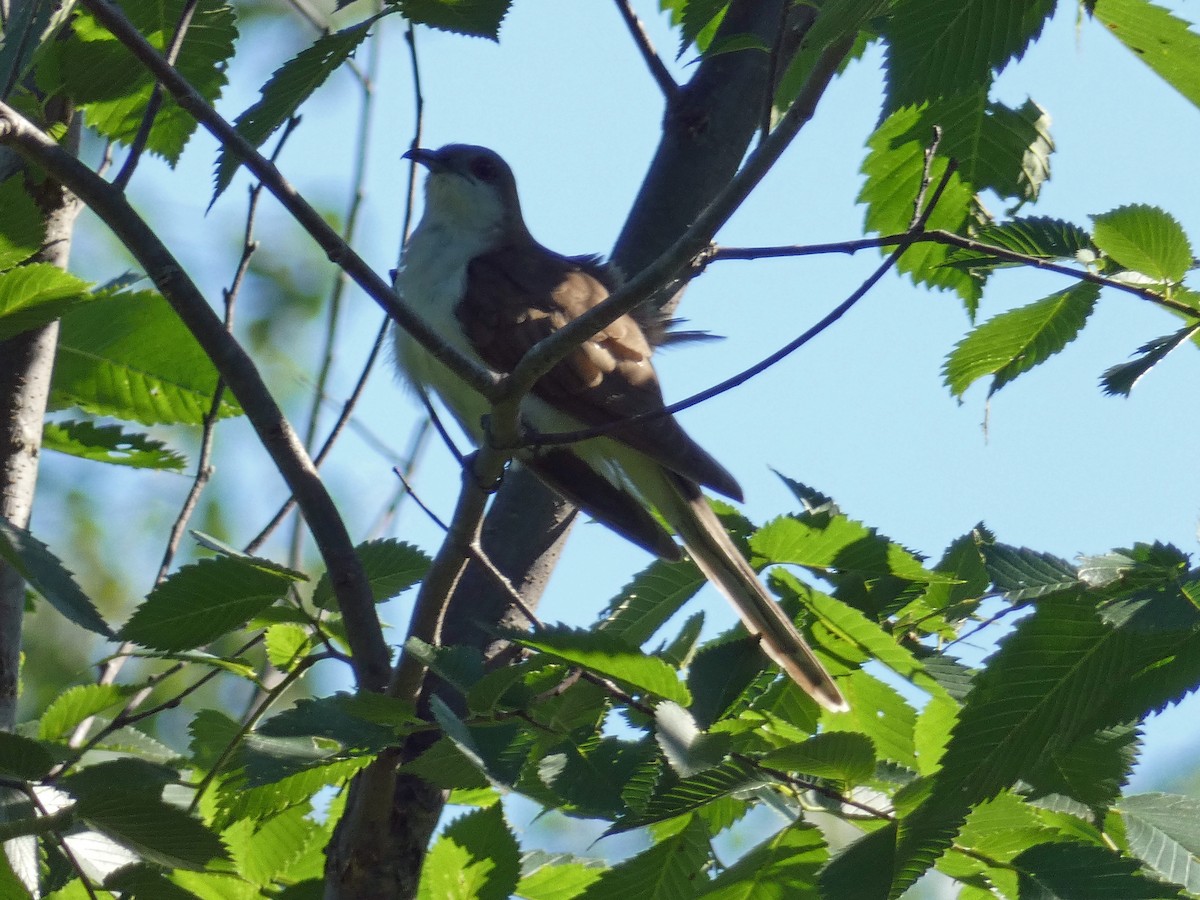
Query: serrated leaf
pixel 1036 236
pixel 894 168
pixel 782 867
pixel 1164 831
pixel 154 830
pixel 1014 342
pixel 75 704
pixel 201 602
pixel 721 674
pixel 21 227
pixel 667 871
pixel 34 295
pixel 391 566
pixel 1077 674
pixel 940 47
pixel 838 19
pixel 1121 379
pixel 656 593
pixel 844 755
pixel 287 643
pixel 46 574
pixel 1144 239
pixel 475 858
pixel 1092 770
pixel 611 657
pixel 265 850
pixel 1019 573
pixel 1073 871
pixel 110 444
pixel 879 712
pixel 129 356
pixel 287 88
pixel 826 542
pixel 113 88
pixel 208 542
pixel 680 650
pixel 260 800
pixel 357 722
pixel 698 22
pixel 864 868
pixel 558 881
pixel 1158 38
pixel 474 18
pixel 694 793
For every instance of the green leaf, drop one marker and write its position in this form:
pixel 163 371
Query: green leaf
pixel 894 168
pixel 474 18
pixel 24 758
pixel 879 712
pixel 109 444
pixel 611 657
pixel 1014 342
pixel 356 721
pixel 783 867
pixel 113 88
pixel 1164 831
pixel 1092 770
pixel 695 793
pixel 1077 674
pixel 1144 239
pixel 201 602
pixel 721 674
pixel 655 594
pixel 1072 871
pixel 1019 573
pixel 475 858
pixel 667 871
pixel 1036 236
pixel 392 567
pixel 154 830
pixel 265 850
pixel 843 755
pixel 1158 38
pixel 864 868
pixel 21 228
pixel 129 356
pixel 34 295
pixel 825 542
pixel 287 644
pixel 1122 378
pixel 260 800
pixel 940 47
pixel 287 88
pixel 558 881
pixel 75 704
pixel 46 574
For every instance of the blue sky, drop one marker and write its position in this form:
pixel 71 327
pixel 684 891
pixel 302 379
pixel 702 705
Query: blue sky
pixel 860 413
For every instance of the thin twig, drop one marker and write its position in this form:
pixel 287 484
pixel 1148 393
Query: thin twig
pixel 350 585
pixel 641 39
pixel 188 98
pixel 154 104
pixel 783 352
pixel 62 846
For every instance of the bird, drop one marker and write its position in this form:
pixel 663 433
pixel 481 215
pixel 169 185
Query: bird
pixel 475 275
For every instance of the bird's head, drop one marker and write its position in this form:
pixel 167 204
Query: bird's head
pixel 470 188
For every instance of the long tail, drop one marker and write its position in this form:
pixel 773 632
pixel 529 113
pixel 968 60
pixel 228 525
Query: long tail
pixel 685 508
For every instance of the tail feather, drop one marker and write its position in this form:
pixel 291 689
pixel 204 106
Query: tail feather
pixel 688 512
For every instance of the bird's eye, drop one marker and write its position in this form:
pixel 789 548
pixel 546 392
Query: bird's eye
pixel 483 168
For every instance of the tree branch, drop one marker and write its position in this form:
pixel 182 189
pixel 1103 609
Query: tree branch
pixel 371 657
pixel 658 69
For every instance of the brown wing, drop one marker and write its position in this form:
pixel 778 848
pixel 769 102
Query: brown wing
pixel 517 295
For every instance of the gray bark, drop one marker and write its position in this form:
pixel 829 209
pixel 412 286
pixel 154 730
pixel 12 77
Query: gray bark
pixel 26 363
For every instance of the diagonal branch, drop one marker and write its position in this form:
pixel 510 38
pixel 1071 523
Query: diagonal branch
pixel 658 69
pixel 371 657
pixel 111 17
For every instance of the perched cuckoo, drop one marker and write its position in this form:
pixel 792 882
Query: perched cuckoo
pixel 477 277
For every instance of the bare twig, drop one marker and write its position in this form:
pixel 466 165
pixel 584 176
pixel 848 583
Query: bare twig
pixel 658 69
pixel 783 352
pixel 111 17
